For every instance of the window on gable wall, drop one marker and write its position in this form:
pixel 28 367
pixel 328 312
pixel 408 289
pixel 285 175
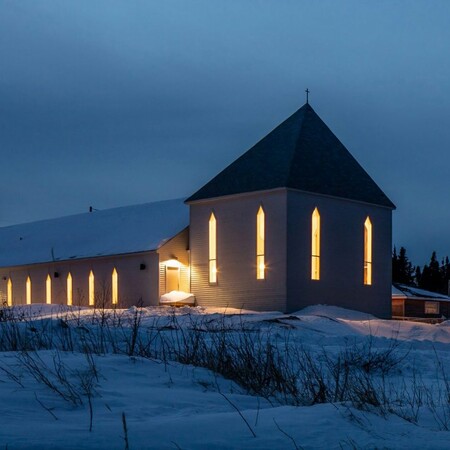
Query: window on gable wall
pixel 368 252
pixel 260 244
pixel 212 249
pixel 315 245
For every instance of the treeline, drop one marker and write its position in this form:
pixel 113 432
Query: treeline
pixel 434 276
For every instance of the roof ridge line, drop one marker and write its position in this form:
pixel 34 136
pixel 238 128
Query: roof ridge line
pixel 88 214
pixel 297 141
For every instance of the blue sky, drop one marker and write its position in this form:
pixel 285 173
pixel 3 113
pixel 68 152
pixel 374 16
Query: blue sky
pixel 108 103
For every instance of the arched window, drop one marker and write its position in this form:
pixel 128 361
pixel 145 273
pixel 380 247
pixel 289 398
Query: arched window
pixel 91 289
pixel 28 291
pixel 212 249
pixel 69 289
pixel 315 245
pixel 260 244
pixel 368 252
pixel 115 287
pixel 9 292
pixel 48 290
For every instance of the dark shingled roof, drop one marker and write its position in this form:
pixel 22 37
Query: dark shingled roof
pixel 301 153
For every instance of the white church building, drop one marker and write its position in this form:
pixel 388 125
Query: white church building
pixel 294 221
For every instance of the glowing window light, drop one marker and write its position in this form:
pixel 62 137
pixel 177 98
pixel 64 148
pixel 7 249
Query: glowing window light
pixel 69 289
pixel 91 289
pixel 9 292
pixel 212 249
pixel 48 290
pixel 115 287
pixel 315 245
pixel 260 244
pixel 28 291
pixel 368 252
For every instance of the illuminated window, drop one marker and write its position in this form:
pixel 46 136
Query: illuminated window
pixel 69 289
pixel 115 287
pixel 260 238
pixel 431 307
pixel 315 245
pixel 28 291
pixel 212 249
pixel 9 292
pixel 91 289
pixel 48 290
pixel 368 252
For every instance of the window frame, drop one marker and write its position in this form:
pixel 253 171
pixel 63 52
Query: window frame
pixel 433 305
pixel 114 287
pixel 368 252
pixel 69 286
pixel 28 292
pixel 212 249
pixel 260 243
pixel 9 292
pixel 91 290
pixel 315 245
pixel 48 290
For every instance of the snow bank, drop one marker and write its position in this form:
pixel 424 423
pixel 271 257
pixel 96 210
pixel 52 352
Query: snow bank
pixel 174 406
pixel 334 312
pixel 43 310
pixel 171 406
pixel 177 297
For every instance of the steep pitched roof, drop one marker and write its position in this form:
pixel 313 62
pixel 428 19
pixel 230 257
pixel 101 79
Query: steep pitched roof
pixel 114 231
pixel 301 153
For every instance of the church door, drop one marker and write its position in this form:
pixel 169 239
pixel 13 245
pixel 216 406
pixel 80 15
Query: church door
pixel 172 279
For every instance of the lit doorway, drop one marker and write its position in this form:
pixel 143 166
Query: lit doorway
pixel 172 279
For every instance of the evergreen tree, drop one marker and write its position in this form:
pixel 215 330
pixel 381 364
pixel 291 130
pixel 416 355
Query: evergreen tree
pixel 445 276
pixel 402 269
pixel 417 276
pixel 425 278
pixel 405 268
pixel 431 278
pixel 395 274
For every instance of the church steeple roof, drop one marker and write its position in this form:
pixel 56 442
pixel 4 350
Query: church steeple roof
pixel 301 153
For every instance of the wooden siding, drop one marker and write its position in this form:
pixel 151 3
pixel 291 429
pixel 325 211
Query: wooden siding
pixel 398 307
pixel 175 248
pixel 237 286
pixel 416 308
pixel 135 285
pixel 342 254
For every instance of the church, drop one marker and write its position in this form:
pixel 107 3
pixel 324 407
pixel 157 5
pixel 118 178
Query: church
pixel 294 221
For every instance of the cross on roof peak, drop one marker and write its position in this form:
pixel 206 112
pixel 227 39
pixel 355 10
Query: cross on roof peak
pixel 307 95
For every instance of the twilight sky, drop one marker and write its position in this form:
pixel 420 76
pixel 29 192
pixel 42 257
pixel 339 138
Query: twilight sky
pixel 109 103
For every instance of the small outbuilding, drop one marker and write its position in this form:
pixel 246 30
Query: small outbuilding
pixel 412 303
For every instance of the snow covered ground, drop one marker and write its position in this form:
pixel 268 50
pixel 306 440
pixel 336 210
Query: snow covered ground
pixel 50 397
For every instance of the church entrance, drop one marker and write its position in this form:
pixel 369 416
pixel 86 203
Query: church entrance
pixel 172 279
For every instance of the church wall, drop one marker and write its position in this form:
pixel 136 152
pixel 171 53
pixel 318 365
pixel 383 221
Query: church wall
pixel 134 284
pixel 237 286
pixel 341 256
